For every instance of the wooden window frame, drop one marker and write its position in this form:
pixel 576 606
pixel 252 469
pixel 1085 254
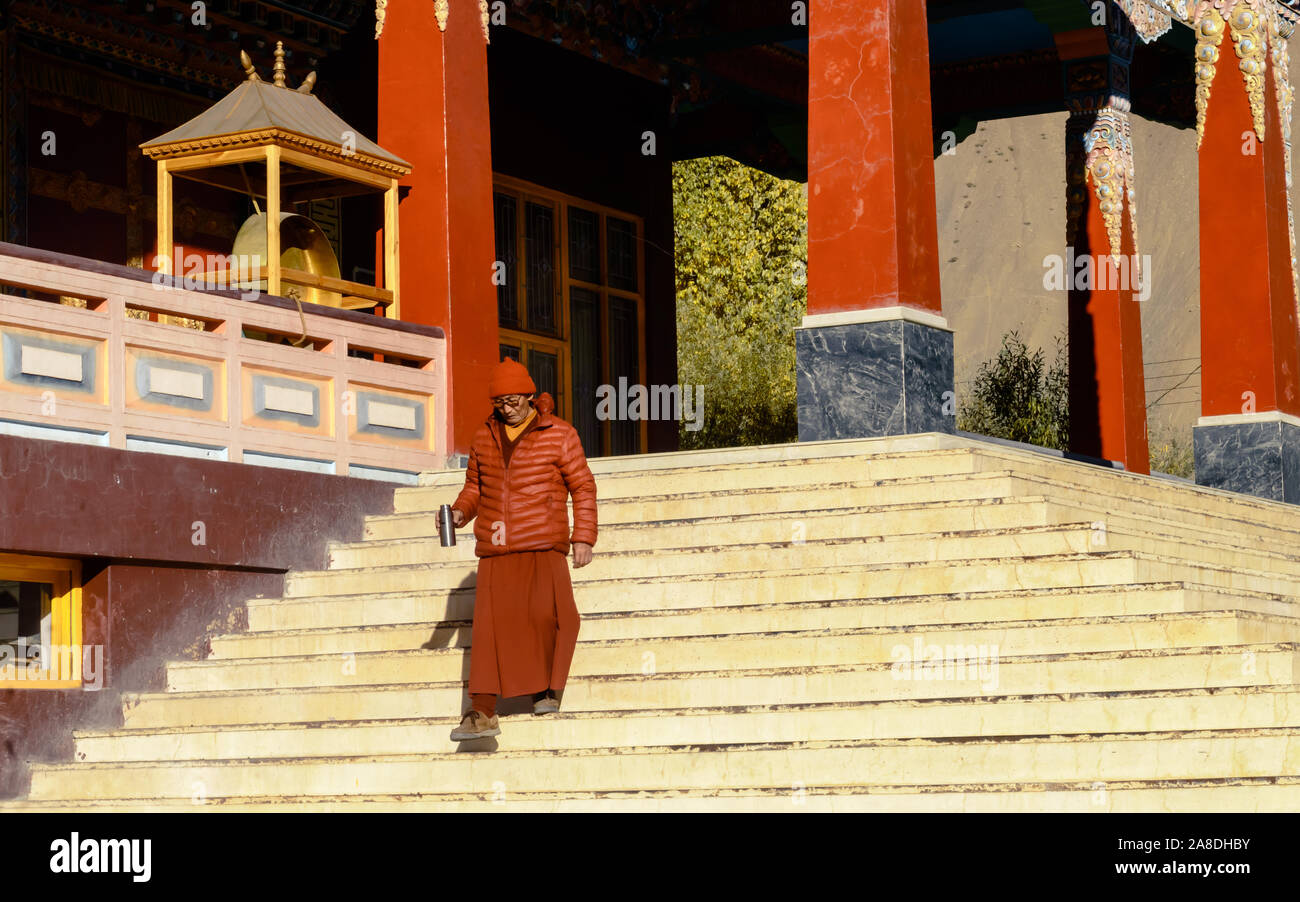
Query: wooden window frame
pixel 560 344
pixel 65 627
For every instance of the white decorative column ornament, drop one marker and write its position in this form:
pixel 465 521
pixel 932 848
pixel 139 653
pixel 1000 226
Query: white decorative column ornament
pixel 1109 165
pixel 440 11
pixel 381 13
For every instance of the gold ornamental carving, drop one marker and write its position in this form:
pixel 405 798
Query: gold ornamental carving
pixel 1109 165
pixel 441 11
pixel 1209 33
pixel 1251 44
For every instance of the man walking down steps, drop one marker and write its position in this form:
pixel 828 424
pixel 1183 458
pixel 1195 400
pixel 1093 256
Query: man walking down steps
pixel 523 465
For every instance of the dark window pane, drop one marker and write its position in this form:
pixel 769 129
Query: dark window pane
pixel 584 245
pixel 545 370
pixel 26 619
pixel 622 253
pixel 507 253
pixel 510 351
pixel 539 250
pixel 584 348
pixel 624 435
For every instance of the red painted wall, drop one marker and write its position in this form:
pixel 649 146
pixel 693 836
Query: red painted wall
pixel 149 593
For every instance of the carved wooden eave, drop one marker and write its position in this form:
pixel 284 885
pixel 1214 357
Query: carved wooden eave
pixel 1259 30
pixel 282 138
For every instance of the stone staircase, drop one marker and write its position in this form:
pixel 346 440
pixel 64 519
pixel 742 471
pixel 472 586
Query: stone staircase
pixel 920 623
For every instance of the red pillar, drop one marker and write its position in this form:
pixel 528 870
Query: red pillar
pixel 1107 384
pixel 433 112
pixel 1248 316
pixel 872 232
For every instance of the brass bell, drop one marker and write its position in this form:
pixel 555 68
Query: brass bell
pixel 303 247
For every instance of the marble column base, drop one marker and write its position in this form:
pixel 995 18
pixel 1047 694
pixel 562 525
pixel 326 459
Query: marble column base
pixel 865 380
pixel 1260 458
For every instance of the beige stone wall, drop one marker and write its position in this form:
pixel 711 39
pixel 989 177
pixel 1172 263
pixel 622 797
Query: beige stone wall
pixel 1001 205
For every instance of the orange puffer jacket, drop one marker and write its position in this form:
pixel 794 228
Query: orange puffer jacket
pixel 524 507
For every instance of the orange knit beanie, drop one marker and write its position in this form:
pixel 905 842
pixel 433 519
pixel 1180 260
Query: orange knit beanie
pixel 510 378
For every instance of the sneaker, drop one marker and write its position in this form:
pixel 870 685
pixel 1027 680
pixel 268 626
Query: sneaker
pixel 476 725
pixel 547 704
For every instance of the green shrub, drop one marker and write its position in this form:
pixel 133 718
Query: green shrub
pixel 740 252
pixel 1015 396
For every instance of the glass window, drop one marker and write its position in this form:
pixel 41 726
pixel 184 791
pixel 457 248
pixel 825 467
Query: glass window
pixel 624 435
pixel 584 245
pixel 622 254
pixel 26 617
pixel 539 248
pixel 507 254
pixel 544 367
pixel 584 350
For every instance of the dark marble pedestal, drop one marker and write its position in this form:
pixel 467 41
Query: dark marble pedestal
pixel 1258 457
pixel 870 379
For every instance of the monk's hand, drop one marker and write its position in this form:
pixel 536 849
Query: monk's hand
pixel 457 516
pixel 581 554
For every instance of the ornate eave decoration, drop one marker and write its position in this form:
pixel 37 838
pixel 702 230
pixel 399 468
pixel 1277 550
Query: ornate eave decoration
pixel 283 138
pixel 1109 165
pixel 441 12
pixel 1259 29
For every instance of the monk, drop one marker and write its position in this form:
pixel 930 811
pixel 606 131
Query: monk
pixel 523 465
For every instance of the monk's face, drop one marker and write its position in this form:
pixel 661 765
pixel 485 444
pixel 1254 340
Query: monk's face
pixel 513 409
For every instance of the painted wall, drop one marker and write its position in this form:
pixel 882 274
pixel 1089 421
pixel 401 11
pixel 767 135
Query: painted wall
pixel 150 593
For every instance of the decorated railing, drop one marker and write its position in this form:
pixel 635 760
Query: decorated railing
pixel 104 354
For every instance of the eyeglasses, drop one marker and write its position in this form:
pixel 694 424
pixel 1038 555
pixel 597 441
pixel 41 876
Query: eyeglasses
pixel 509 401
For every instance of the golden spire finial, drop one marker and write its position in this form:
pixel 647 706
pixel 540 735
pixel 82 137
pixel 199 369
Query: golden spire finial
pixel 279 64
pixel 246 61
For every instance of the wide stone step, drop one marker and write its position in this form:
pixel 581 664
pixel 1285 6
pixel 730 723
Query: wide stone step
pixel 1098 569
pixel 1261 794
pixel 916 553
pixel 1131 712
pixel 695 560
pixel 913 524
pixel 981 647
pixel 726 478
pixel 706 530
pixel 455 610
pixel 689 500
pixel 1147 756
pixel 1120 671
pixel 755 621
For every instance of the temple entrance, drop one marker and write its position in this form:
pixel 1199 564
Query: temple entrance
pixel 571 303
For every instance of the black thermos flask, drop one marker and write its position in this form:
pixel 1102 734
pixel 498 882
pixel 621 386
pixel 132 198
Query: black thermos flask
pixel 446 527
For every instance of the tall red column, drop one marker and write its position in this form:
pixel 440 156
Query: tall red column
pixel 433 112
pixel 874 354
pixel 1248 311
pixel 872 232
pixel 1248 436
pixel 1107 384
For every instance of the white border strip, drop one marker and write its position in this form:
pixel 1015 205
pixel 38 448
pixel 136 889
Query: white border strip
pixel 1264 416
pixel 877 315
